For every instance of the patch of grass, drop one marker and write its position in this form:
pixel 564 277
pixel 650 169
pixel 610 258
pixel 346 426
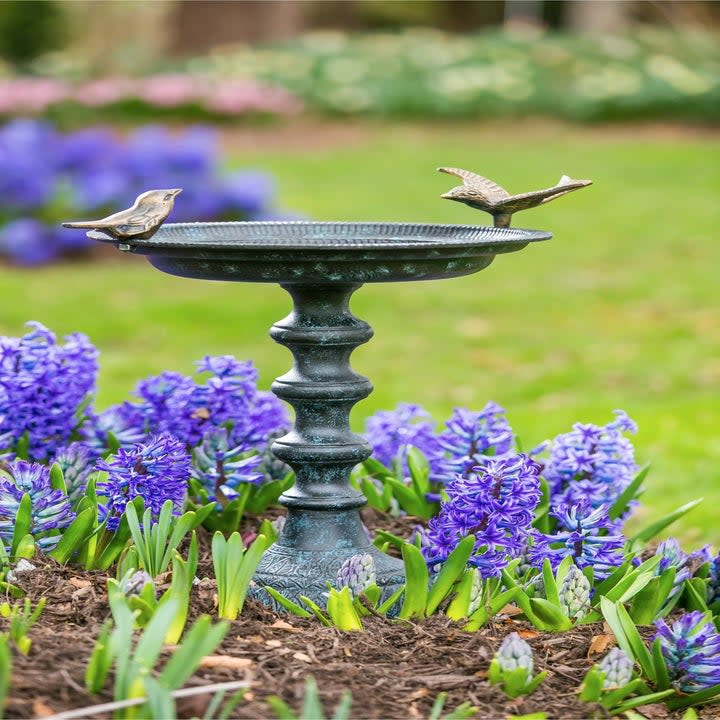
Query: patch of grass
pixel 620 309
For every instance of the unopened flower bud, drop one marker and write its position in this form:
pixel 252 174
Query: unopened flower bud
pixel 475 591
pixel 618 669
pixel 21 566
pixel 136 582
pixel 515 653
pixel 357 572
pixel 575 594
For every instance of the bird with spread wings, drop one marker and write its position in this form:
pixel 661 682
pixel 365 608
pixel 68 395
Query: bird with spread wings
pixel 482 194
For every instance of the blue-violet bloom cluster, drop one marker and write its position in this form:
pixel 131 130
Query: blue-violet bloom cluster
pixel 221 468
pixel 156 470
pixel 43 385
pixel 591 463
pixel 691 648
pixel 673 556
pixel 467 438
pixel 77 462
pixel 584 533
pixel 184 408
pixel 470 435
pixel 50 509
pixel 495 502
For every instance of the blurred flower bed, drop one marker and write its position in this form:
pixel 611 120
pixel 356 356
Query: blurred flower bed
pixel 169 95
pixel 653 73
pixel 47 176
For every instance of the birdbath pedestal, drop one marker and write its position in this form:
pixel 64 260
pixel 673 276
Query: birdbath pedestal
pixel 321 265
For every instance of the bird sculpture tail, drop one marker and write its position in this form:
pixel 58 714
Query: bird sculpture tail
pixel 84 225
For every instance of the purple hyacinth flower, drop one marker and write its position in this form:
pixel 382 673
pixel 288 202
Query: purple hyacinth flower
pixel 495 503
pixel 125 421
pixel 591 463
pixel 77 462
pixel 470 435
pixel 691 648
pixel 247 192
pixel 156 470
pixel 27 241
pixel 221 468
pixel 43 385
pixel 713 587
pixel 50 509
pixel 584 533
pixel 392 432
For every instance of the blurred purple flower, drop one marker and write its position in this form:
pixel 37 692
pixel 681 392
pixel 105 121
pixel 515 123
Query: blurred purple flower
pixel 27 241
pixel 391 432
pixel 248 191
pixel 92 172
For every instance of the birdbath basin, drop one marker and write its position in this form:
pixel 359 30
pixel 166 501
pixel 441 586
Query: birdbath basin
pixel 321 264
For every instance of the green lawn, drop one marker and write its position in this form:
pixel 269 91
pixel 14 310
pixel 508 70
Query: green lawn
pixel 620 309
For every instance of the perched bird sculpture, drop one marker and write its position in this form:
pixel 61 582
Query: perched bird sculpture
pixel 483 194
pixel 139 222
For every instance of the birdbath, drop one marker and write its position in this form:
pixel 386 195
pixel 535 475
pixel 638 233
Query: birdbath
pixel 321 264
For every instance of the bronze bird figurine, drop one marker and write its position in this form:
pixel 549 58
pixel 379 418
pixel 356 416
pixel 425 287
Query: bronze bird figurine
pixel 483 194
pixel 139 222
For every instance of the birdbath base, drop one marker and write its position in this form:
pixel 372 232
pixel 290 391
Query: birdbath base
pixel 294 572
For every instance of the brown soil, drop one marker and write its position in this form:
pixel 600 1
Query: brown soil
pixel 394 669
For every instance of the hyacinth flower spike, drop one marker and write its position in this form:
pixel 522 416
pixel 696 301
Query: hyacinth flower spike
pixel 49 508
pixel 691 649
pixel 357 573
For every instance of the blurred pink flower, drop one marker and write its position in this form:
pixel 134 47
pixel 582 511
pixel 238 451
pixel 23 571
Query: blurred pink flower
pixel 171 90
pixel 104 91
pixel 237 96
pixel 228 97
pixel 33 95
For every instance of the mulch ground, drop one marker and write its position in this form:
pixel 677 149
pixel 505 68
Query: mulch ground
pixel 394 669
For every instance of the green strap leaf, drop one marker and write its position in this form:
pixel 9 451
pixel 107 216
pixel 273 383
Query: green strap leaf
pixel 286 603
pixel 621 505
pixel 57 481
pixel 23 522
pixel 416 588
pixel 658 526
pixel 74 536
pixel 452 569
pixel 200 640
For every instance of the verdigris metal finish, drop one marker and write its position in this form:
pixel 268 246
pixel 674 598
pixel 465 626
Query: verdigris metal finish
pixel 321 265
pixel 482 194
